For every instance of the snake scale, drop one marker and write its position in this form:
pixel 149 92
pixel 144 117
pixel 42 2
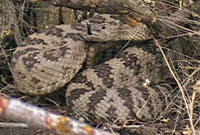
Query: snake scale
pixel 48 60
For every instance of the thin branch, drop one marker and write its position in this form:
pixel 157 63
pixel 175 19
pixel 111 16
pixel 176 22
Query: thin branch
pixel 13 125
pixel 16 110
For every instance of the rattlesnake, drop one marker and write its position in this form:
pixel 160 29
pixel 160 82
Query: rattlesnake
pixel 48 60
pixel 119 89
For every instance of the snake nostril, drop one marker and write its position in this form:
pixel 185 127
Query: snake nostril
pixel 89 32
pixel 103 27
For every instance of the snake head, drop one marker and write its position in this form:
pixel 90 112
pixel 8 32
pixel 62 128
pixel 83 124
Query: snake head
pixel 103 32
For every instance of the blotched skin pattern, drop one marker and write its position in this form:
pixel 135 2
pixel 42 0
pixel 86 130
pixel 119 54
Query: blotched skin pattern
pixel 48 60
pixel 116 89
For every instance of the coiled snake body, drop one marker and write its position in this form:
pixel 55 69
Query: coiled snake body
pixel 48 60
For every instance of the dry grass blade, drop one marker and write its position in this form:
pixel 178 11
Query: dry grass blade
pixel 5 55
pixel 187 101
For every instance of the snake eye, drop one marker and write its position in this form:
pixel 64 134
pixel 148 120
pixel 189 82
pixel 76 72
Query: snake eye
pixel 103 27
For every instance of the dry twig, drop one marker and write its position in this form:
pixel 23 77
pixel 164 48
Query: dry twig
pixel 16 110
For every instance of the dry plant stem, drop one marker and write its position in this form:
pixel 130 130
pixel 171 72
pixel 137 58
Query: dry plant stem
pixel 13 125
pixel 14 22
pixel 36 117
pixel 4 53
pixel 188 105
pixel 191 75
pixel 192 103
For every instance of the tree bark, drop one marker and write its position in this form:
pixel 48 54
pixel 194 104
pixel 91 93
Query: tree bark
pixel 136 8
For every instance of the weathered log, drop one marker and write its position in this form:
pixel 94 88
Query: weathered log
pixel 136 8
